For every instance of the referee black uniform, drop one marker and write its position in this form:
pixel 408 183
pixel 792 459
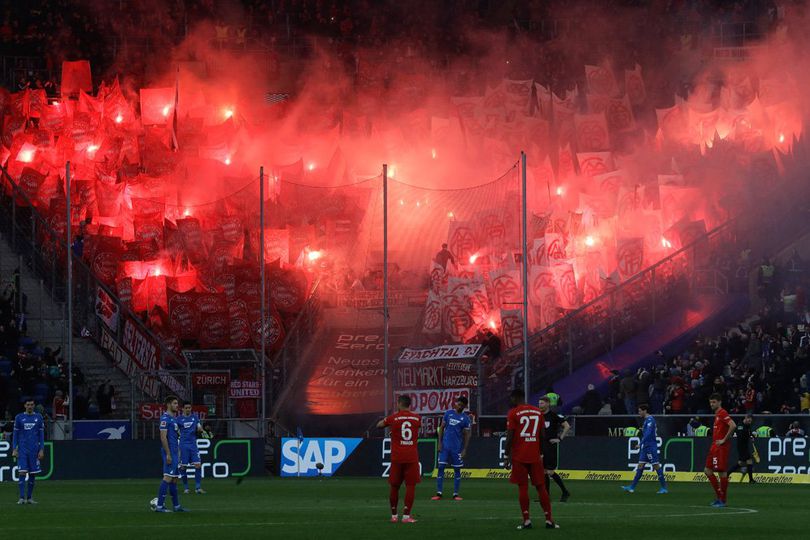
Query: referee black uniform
pixel 745 441
pixel 553 428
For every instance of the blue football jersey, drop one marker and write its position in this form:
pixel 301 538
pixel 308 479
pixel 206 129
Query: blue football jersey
pixel 29 432
pixel 649 432
pixel 188 429
pixel 169 424
pixel 454 425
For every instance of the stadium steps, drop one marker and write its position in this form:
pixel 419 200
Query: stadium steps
pixel 47 324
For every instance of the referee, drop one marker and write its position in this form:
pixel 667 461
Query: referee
pixel 745 442
pixel 556 428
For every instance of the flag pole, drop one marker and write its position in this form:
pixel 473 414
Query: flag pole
pixel 263 332
pixel 525 244
pixel 385 286
pixel 69 300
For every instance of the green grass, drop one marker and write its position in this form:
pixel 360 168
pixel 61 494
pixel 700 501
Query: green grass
pixel 338 508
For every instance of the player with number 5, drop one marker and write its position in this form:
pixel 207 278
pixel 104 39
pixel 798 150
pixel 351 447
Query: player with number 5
pixel 404 427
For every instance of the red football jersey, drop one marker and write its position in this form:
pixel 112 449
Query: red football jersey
pixel 526 422
pixel 721 421
pixel 404 436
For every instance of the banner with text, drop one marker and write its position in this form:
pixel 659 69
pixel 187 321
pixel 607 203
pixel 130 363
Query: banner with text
pixel 245 389
pixel 433 401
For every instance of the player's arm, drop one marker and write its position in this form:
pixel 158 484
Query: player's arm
pixel 384 422
pixel 467 437
pixel 41 453
pixel 439 432
pixel 566 427
pixel 731 427
pixel 15 441
pixel 164 441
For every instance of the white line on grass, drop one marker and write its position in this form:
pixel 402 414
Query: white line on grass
pixel 726 512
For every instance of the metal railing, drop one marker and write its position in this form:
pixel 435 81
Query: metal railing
pixel 670 425
pixel 44 250
pixel 609 320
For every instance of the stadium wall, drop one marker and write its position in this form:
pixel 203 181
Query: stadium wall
pixel 91 460
pixel 591 458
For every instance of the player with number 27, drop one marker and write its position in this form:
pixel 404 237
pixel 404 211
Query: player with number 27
pixel 404 427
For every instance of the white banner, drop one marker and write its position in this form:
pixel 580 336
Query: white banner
pixel 443 352
pixel 433 401
pixel 148 384
pixel 106 309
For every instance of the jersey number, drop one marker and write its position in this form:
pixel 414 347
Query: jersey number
pixel 529 425
pixel 406 432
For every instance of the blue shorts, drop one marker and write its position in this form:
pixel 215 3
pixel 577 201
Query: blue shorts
pixel 171 470
pixel 649 454
pixel 189 455
pixel 452 458
pixel 28 461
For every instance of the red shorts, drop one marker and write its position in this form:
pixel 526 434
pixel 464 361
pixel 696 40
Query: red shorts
pixel 717 460
pixel 521 472
pixel 404 472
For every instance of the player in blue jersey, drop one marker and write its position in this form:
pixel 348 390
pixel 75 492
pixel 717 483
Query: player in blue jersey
pixel 28 446
pixel 170 452
pixel 189 455
pixel 648 452
pixel 454 436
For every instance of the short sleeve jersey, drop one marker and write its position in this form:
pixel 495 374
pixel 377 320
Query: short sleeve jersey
pixel 649 432
pixel 526 423
pixel 721 425
pixel 29 430
pixel 188 429
pixel 552 422
pixel 454 425
pixel 404 426
pixel 168 423
pixel 744 437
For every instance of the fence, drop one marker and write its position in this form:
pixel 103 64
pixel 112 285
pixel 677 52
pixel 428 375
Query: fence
pixel 614 317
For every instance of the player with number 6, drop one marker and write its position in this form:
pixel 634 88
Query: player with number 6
pixel 404 426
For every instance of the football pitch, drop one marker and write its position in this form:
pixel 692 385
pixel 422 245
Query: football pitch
pixel 338 508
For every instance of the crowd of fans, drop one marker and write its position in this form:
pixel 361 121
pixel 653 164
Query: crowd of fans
pixel 762 366
pixel 29 371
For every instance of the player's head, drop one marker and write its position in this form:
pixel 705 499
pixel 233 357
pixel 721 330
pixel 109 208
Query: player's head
pixel 171 404
pixel 748 420
pixel 643 410
pixel 29 406
pixel 187 408
pixel 517 397
pixel 544 404
pixel 715 401
pixel 404 402
pixel 461 404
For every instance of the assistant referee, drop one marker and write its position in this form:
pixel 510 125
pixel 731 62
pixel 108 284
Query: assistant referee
pixel 556 428
pixel 745 443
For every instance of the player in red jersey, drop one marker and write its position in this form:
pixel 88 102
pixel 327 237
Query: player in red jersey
pixel 717 460
pixel 524 431
pixel 404 426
